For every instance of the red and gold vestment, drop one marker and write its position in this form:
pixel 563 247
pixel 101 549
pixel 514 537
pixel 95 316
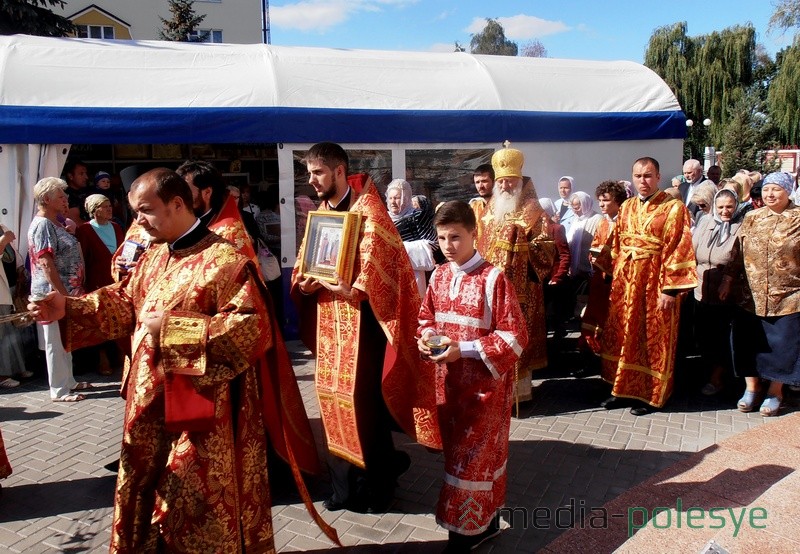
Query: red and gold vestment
pixel 599 291
pixel 478 205
pixel 383 278
pixel 284 412
pixel 649 252
pixel 191 491
pixel 474 303
pixel 521 247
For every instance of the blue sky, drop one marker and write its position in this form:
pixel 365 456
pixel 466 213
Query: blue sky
pixel 594 30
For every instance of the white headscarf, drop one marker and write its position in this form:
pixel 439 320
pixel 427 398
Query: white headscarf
pixel 406 208
pixel 548 206
pixel 576 231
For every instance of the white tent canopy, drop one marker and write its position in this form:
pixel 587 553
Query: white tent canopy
pixel 583 118
pixel 93 91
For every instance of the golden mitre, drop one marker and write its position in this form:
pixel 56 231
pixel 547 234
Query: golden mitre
pixel 507 162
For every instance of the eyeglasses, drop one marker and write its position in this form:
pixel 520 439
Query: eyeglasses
pixel 702 206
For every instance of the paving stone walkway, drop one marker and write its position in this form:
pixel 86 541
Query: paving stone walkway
pixel 567 455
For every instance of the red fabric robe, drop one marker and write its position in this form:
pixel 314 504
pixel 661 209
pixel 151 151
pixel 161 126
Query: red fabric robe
pixel 522 248
pixel 5 465
pixel 649 251
pixel 334 329
pixel 599 292
pixel 475 395
pixel 284 413
pixel 193 491
pixel 96 256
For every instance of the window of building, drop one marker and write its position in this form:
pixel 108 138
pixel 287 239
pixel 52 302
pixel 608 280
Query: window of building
pixel 206 35
pixel 444 174
pixel 95 31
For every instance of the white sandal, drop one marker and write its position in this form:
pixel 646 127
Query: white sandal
pixel 69 398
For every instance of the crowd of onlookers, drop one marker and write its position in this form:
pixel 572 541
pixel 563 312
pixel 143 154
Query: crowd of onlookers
pixel 80 223
pixel 722 319
pixel 742 316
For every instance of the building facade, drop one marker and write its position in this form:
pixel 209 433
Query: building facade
pixel 230 21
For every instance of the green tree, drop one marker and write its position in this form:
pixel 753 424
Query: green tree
pixel 783 98
pixel 492 40
pixel 747 134
pixel 33 17
pixel 183 23
pixel 708 74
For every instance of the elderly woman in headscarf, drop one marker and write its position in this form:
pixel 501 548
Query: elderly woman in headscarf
pixel 767 253
pixel 99 239
pixel 579 238
pixel 415 228
pixel 713 240
pixel 581 233
pixel 738 186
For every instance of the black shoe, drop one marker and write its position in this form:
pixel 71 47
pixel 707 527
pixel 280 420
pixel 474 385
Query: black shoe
pixel 458 543
pixel 333 505
pixel 610 403
pixel 491 532
pixel 581 373
pixel 641 410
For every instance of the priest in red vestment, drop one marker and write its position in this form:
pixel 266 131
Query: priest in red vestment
pixel 368 372
pixel 472 308
pixel 610 196
pixel 651 260
pixel 289 425
pixel 199 317
pixel 512 235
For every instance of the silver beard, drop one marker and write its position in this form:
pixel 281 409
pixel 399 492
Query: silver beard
pixel 505 202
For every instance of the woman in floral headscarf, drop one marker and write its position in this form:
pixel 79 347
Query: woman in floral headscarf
pixel 767 255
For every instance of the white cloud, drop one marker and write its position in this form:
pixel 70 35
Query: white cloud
pixel 521 27
pixel 321 15
pixel 309 16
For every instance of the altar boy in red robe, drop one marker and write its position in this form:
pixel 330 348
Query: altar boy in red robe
pixel 471 309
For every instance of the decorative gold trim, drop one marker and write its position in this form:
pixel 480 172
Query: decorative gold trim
pixel 331 240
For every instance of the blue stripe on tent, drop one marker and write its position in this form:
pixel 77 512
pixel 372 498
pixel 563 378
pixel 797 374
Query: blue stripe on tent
pixel 82 125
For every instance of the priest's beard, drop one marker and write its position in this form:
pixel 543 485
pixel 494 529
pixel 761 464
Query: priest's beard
pixel 505 202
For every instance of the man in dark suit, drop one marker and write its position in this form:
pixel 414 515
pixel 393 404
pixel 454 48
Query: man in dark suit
pixel 693 176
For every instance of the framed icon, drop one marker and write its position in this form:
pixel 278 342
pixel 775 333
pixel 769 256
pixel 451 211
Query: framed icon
pixel 330 243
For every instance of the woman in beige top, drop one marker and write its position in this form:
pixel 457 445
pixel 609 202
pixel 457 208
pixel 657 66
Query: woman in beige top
pixel 767 254
pixel 713 240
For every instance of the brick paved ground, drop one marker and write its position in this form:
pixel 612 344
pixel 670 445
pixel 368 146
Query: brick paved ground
pixel 568 452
